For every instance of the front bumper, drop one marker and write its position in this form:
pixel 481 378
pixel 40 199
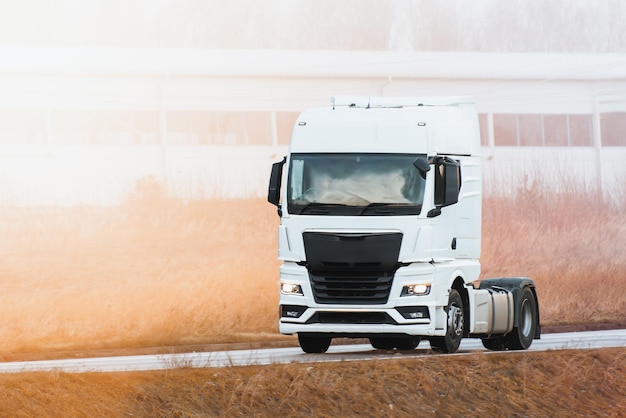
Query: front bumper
pixel 360 330
pixel 413 315
pixel 423 320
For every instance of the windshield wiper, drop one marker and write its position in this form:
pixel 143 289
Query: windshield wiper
pixel 311 205
pixel 392 208
pixel 373 205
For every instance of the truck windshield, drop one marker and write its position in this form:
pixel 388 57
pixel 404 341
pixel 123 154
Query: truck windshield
pixel 354 184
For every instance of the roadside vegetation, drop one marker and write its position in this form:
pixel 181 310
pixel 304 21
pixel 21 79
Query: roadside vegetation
pixel 589 383
pixel 162 275
pixel 157 272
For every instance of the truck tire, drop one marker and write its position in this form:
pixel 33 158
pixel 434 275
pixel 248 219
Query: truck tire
pixel 401 343
pixel 494 343
pixel 407 343
pixel 455 326
pixel 382 343
pixel 522 335
pixel 313 343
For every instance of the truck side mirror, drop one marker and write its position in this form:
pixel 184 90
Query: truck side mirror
pixel 447 181
pixel 273 192
pixel 453 182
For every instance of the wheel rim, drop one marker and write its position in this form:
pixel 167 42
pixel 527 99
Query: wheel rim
pixel 526 318
pixel 455 320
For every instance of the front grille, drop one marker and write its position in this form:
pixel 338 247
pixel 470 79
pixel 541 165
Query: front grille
pixel 342 288
pixel 351 268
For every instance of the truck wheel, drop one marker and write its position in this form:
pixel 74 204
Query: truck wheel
pixel 313 344
pixel 407 343
pixel 382 343
pixel 401 343
pixel 493 344
pixel 455 326
pixel 522 336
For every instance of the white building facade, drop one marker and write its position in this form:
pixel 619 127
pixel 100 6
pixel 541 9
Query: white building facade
pixel 82 126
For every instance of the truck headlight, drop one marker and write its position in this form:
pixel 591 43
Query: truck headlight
pixel 419 289
pixel 287 288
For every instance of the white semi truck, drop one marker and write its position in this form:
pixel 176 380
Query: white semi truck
pixel 380 230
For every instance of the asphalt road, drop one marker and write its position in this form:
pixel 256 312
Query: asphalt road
pixel 360 352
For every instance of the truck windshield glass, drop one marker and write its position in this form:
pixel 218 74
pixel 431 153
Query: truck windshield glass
pixel 354 184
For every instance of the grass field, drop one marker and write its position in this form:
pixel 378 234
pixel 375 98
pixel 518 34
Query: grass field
pixel 135 276
pixel 162 273
pixel 588 383
pixel 571 244
pixel 159 272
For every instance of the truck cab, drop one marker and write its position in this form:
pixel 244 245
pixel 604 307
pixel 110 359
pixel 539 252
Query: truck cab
pixel 380 226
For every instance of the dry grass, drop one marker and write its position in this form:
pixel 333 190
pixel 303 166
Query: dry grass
pixel 157 272
pixel 141 275
pixel 561 383
pixel 572 245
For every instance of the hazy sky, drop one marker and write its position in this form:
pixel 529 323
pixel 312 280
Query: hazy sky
pixel 420 25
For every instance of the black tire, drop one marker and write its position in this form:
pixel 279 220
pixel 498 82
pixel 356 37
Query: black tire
pixel 382 343
pixel 523 334
pixel 401 343
pixel 408 343
pixel 494 344
pixel 313 344
pixel 521 337
pixel 455 326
